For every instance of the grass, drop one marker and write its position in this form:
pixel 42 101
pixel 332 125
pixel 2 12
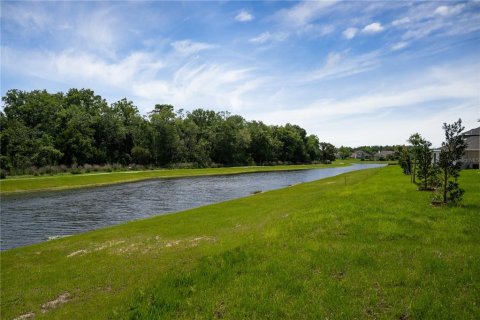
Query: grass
pixel 69 181
pixel 373 249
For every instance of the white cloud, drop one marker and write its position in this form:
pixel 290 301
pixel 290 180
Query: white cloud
pixel 406 102
pixel 304 12
pixel 99 32
pixel 349 33
pixel 333 60
pixel 33 18
pixel 187 47
pixel 399 45
pixel 401 21
pixel 195 85
pixel 88 70
pixel 244 16
pixel 267 36
pixel 449 10
pixel 333 69
pixel 428 18
pixel 442 10
pixel 373 28
pixel 263 37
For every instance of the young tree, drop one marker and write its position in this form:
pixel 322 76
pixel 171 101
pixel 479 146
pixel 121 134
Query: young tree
pixel 449 163
pixel 415 140
pixel 403 155
pixel 427 170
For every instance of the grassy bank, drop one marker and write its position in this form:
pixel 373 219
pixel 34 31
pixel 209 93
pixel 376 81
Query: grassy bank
pixel 373 248
pixel 69 181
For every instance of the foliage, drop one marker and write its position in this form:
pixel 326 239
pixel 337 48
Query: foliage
pixel 416 141
pixel 344 152
pixel 327 152
pixel 427 171
pixel 79 127
pixel 402 153
pixel 449 163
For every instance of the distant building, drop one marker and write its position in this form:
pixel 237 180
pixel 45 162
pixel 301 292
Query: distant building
pixel 384 155
pixel 360 154
pixel 472 153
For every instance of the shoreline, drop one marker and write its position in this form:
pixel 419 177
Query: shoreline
pixel 88 180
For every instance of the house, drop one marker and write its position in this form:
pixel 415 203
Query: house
pixel 384 155
pixel 472 152
pixel 360 154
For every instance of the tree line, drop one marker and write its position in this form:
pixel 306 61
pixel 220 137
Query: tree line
pixel 78 128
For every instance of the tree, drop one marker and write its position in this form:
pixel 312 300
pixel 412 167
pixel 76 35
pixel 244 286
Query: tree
pixel 262 145
pixel 312 147
pixel 449 163
pixel 427 170
pixel 141 155
pixel 327 152
pixel 402 153
pixel 165 136
pixel 415 140
pixel 345 152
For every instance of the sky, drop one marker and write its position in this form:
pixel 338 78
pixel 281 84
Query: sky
pixel 351 72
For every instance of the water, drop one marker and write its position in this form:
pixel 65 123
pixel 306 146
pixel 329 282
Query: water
pixel 35 217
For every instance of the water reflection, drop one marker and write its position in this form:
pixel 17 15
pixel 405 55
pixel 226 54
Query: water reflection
pixel 32 218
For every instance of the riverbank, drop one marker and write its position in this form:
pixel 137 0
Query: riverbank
pixel 70 181
pixel 373 248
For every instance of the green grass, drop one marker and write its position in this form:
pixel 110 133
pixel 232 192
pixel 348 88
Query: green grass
pixel 69 181
pixel 373 249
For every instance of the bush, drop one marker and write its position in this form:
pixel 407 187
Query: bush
pixel 3 174
pixel 141 155
pixel 116 167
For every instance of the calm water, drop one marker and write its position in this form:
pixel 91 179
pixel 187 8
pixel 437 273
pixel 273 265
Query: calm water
pixel 32 218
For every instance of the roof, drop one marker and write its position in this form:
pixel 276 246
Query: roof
pixel 472 137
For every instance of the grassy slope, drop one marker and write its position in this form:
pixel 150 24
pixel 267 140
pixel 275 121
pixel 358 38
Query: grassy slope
pixel 69 181
pixel 372 249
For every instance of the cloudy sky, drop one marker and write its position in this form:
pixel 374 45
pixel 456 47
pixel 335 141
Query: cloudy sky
pixel 353 73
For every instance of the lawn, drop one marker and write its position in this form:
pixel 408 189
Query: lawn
pixel 69 181
pixel 365 246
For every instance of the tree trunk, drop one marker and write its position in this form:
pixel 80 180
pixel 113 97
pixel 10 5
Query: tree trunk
pixel 425 183
pixel 445 184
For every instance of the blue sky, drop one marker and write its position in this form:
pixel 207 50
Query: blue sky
pixel 352 72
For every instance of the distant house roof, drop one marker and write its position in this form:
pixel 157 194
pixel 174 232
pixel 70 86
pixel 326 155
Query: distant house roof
pixel 472 138
pixel 383 154
pixel 360 154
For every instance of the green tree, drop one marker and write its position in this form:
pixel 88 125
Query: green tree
pixel 165 136
pixel 415 140
pixel 427 170
pixel 263 145
pixel 312 147
pixel 327 152
pixel 141 155
pixel 291 138
pixel 402 153
pixel 345 152
pixel 449 163
pixel 76 140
